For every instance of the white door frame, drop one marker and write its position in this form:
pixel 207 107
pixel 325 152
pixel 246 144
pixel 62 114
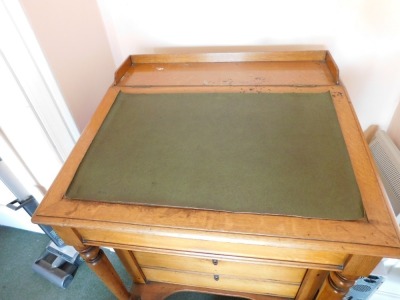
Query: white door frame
pixel 26 65
pixel 21 50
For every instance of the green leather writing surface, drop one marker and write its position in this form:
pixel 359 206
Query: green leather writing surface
pixel 253 153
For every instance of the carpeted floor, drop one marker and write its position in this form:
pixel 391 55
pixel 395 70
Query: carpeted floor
pixel 19 250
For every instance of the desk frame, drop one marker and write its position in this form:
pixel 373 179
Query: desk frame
pixel 335 253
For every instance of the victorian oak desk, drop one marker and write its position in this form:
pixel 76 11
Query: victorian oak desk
pixel 243 174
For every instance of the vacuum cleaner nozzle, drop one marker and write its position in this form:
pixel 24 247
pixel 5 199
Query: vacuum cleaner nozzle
pixel 61 274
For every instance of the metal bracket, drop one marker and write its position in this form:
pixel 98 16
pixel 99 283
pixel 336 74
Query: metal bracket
pixel 21 204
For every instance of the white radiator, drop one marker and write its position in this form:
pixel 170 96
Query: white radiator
pixel 387 158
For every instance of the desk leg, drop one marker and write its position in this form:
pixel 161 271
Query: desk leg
pixel 99 263
pixel 337 284
pixel 131 265
pixel 311 284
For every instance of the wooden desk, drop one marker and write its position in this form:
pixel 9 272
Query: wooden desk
pixel 254 255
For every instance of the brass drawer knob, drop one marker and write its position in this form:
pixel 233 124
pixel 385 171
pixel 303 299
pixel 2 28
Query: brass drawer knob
pixel 216 277
pixel 215 262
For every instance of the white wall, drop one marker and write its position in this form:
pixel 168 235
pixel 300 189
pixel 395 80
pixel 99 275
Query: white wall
pixel 72 36
pixel 394 127
pixel 363 36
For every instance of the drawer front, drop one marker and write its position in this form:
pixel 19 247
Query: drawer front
pixel 195 244
pixel 257 271
pixel 222 282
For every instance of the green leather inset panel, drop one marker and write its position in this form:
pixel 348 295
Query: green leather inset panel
pixel 257 153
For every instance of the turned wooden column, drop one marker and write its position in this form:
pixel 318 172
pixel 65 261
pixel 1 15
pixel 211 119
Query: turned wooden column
pixel 337 284
pixel 99 263
pixel 96 260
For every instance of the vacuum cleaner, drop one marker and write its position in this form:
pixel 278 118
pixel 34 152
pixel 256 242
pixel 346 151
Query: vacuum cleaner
pixel 59 262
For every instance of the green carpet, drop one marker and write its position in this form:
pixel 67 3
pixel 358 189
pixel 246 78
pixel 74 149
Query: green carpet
pixel 19 250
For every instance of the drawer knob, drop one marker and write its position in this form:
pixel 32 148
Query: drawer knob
pixel 215 262
pixel 216 277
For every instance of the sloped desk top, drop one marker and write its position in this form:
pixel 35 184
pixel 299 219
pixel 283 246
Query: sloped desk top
pixel 192 181
pixel 263 153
